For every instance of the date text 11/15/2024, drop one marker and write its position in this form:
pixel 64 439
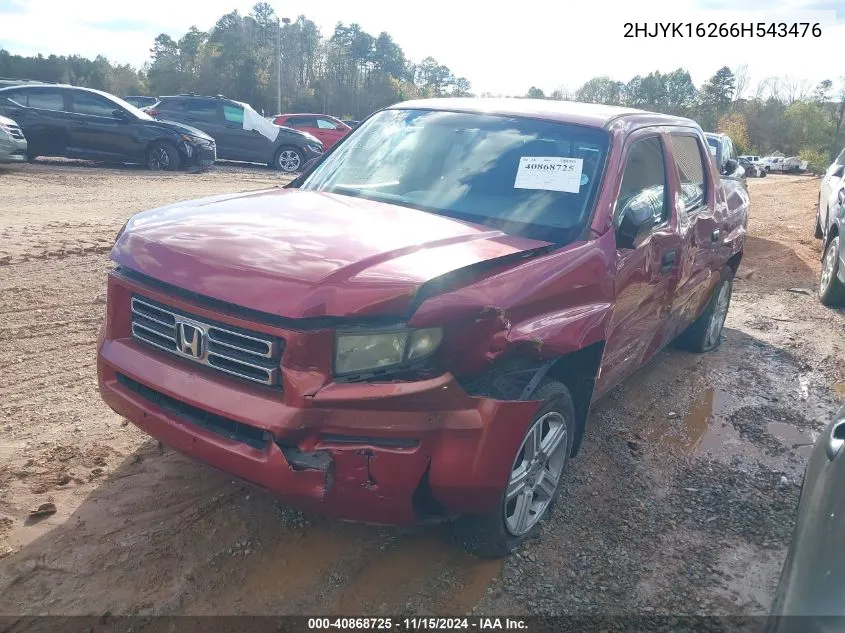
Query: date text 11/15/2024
pixel 722 29
pixel 418 624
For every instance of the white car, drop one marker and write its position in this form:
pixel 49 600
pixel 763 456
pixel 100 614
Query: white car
pixel 832 182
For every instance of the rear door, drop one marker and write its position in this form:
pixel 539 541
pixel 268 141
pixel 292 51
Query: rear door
pixel 647 274
pixel 697 196
pixel 40 112
pixel 203 114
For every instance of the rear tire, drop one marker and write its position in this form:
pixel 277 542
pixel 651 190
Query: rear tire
pixel 705 333
pixel 162 156
pixel 534 482
pixel 288 160
pixel 831 289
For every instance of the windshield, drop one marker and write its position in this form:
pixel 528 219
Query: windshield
pixel 535 179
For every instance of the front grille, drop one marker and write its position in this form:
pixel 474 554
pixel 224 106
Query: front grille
pixel 15 132
pixel 236 431
pixel 248 355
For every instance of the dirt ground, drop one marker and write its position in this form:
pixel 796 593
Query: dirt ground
pixel 681 501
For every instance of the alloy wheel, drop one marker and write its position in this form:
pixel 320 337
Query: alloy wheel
pixel 720 313
pixel 829 265
pixel 159 159
pixel 536 473
pixel 289 160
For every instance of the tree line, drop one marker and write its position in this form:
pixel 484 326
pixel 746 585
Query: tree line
pixel 779 115
pixel 351 73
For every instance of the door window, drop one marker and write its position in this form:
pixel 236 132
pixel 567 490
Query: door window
pixel 644 179
pixel 301 121
pixel 325 124
pixel 201 109
pixel 87 103
pixel 688 154
pixel 45 100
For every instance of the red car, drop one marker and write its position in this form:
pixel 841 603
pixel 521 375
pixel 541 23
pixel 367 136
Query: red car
pixel 326 128
pixel 416 327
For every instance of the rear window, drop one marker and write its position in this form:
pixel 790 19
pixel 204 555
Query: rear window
pixel 45 100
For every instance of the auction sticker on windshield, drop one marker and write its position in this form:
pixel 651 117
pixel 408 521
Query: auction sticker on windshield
pixel 549 173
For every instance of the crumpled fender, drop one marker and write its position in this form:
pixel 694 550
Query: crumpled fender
pixel 546 307
pixel 563 332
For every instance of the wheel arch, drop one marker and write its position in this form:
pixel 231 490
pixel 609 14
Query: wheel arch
pixel 517 377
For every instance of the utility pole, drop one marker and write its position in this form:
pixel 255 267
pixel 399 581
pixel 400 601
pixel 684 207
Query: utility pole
pixel 279 66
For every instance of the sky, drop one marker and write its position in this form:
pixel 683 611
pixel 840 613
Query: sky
pixel 501 48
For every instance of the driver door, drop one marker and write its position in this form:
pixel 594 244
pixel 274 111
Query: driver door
pixel 94 130
pixel 646 274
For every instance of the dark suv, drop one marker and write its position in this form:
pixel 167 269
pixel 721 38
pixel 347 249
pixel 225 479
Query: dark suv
pixel 240 132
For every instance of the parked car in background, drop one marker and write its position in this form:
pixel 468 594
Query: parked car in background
pixel 61 120
pixel 751 169
pixel 832 277
pixel 833 179
pixel 791 164
pixel 326 128
pixel 352 124
pixel 751 158
pixel 722 149
pixel 417 325
pixel 12 142
pixel 813 573
pixel 140 102
pixel 241 133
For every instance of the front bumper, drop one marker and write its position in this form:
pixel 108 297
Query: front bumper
pixel 388 453
pixel 12 150
pixel 196 155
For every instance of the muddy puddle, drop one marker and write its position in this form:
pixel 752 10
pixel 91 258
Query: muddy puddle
pixel 701 429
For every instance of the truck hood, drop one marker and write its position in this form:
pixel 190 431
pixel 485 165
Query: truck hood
pixel 303 254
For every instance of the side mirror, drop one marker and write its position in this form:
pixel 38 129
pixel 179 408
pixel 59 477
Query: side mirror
pixel 637 218
pixel 730 166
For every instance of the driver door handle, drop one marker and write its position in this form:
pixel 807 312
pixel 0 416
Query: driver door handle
pixel 836 439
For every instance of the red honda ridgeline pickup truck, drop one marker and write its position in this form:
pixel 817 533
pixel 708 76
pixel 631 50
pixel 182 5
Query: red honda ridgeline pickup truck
pixel 415 328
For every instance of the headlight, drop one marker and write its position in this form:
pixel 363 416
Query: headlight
pixel 381 350
pixel 193 140
pixel 315 148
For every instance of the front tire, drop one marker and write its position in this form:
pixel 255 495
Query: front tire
pixel 162 157
pixel 831 289
pixel 288 160
pixel 705 333
pixel 534 481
